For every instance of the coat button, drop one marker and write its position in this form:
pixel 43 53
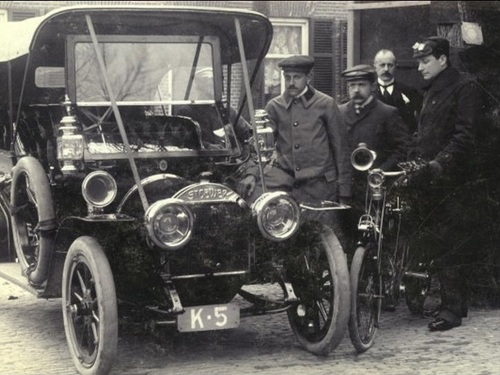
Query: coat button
pixel 297 169
pixel 297 146
pixel 295 123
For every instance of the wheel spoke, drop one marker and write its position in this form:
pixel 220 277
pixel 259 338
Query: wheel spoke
pixel 79 297
pixel 95 334
pixel 82 282
pixel 322 311
pixel 29 192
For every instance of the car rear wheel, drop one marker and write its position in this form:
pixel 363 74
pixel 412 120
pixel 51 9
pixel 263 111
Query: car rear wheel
pixel 89 307
pixel 316 266
pixel 33 219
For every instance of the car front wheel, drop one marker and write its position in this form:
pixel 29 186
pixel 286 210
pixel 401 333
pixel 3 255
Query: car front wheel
pixel 89 307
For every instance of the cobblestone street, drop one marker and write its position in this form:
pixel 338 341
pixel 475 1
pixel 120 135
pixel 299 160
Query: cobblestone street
pixel 32 341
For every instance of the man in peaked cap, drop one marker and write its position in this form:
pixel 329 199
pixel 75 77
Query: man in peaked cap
pixel 312 158
pixel 380 127
pixel 371 121
pixel 445 139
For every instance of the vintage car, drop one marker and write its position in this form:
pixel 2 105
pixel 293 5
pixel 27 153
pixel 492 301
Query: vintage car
pixel 113 190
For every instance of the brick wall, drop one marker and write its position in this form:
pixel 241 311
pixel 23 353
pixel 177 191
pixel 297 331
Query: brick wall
pixel 292 9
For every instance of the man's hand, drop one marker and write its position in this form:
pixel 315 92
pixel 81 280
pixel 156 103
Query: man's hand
pixel 435 168
pixel 425 175
pixel 246 186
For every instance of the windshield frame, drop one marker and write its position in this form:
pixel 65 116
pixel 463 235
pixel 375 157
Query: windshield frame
pixel 213 41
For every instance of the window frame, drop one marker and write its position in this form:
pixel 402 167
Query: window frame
pixel 303 25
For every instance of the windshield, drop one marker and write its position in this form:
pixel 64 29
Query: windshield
pixel 158 71
pixel 168 90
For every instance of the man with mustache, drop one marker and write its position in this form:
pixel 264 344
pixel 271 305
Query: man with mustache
pixel 377 125
pixel 312 156
pixel 371 121
pixel 407 99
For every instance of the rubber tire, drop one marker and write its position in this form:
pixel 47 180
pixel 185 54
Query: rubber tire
pixel 86 258
pixel 29 169
pixel 5 233
pixel 338 306
pixel 363 337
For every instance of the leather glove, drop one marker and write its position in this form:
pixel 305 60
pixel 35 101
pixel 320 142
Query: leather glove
pixel 420 177
pixel 246 186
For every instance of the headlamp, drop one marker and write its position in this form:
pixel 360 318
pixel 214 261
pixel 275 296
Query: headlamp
pixel 169 223
pixel 277 215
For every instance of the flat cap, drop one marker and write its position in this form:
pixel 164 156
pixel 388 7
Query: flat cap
pixel 299 63
pixel 431 46
pixel 360 72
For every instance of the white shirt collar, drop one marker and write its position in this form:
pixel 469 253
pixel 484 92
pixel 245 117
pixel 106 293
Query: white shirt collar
pixel 388 88
pixel 302 93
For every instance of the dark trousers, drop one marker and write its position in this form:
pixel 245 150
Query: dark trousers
pixel 450 249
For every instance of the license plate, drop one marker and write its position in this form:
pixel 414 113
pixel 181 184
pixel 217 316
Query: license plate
pixel 209 318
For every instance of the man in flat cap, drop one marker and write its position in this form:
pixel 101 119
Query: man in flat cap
pixel 380 127
pixel 394 92
pixel 445 139
pixel 312 158
pixel 371 121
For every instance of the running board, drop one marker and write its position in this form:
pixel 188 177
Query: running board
pixel 12 272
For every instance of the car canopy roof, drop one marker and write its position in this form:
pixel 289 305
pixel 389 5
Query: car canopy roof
pixel 20 38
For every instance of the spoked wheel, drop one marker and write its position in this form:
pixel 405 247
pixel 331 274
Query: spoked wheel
pixel 317 269
pixel 366 297
pixel 33 218
pixel 89 307
pixel 394 268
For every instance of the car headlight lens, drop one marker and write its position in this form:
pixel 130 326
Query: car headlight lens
pixel 277 215
pixel 169 223
pixel 99 189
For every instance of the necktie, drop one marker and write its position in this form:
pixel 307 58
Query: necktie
pixel 387 95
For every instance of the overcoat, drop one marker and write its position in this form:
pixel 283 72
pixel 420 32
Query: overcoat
pixel 311 139
pixel 381 128
pixel 405 98
pixel 447 121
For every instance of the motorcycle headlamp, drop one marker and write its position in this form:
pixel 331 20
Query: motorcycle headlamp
pixel 376 179
pixel 277 215
pixel 169 223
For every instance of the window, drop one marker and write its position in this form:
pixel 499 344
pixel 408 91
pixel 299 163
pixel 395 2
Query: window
pixel 4 15
pixel 290 38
